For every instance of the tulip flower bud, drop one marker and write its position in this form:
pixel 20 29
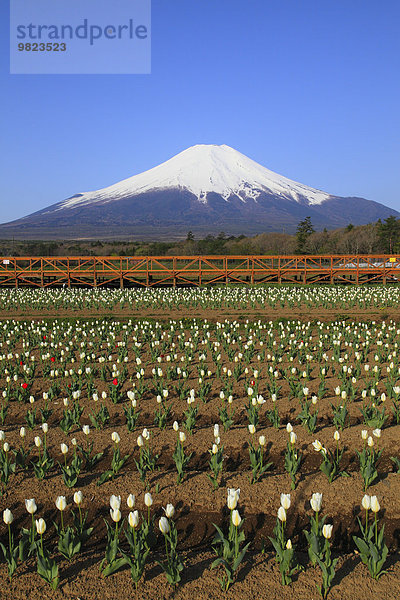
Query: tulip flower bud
pixel 327 531
pixel 45 427
pixel 214 449
pixel 78 498
pixel 130 501
pixel 336 436
pixel 289 545
pixel 236 518
pixel 233 498
pixel 261 440
pixel 115 502
pixel 86 429
pixel 6 447
pixel 182 436
pixel 252 428
pixel 22 432
pixel 364 434
pixel 115 514
pixel 285 501
pixel 61 503
pixel 375 507
pixel 370 442
pixel 38 441
pixel 64 448
pixel 377 433
pixel 30 506
pixel 148 500
pixel 140 441
pixel 7 516
pixel 293 438
pixel 169 511
pixel 133 519
pixel 366 502
pixel 316 501
pixel 289 428
pixel 282 514
pixel 115 437
pixel 317 445
pixel 40 526
pixel 175 426
pixel 163 524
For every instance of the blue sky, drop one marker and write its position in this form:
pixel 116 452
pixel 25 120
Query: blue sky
pixel 308 88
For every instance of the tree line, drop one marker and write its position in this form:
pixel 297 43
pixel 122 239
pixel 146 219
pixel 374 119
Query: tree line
pixel 375 238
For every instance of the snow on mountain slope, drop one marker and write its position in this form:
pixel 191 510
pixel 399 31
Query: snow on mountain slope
pixel 200 170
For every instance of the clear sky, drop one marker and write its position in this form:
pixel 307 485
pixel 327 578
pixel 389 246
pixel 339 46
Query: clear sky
pixel 308 88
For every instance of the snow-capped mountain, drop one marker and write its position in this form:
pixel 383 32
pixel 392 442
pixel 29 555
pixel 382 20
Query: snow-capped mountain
pixel 206 189
pixel 201 170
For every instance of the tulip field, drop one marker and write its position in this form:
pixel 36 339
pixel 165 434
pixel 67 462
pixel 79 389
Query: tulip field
pixel 175 455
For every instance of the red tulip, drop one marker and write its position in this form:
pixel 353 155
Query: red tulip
pixel 115 381
pixel 24 385
pixel 52 359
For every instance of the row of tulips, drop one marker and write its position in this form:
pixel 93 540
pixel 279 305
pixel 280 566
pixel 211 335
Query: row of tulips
pixel 229 543
pixel 84 459
pixel 238 297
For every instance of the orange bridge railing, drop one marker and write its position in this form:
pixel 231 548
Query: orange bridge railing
pixel 148 271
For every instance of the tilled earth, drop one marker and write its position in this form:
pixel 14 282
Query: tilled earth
pixel 198 506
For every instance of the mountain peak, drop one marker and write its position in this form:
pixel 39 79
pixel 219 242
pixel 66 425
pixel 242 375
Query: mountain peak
pixel 205 189
pixel 203 169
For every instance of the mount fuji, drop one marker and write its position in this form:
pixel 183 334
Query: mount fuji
pixel 205 189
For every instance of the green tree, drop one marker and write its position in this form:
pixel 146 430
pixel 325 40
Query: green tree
pixel 303 232
pixel 389 234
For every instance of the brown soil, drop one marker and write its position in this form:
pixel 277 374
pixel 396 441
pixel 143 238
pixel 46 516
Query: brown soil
pixel 303 314
pixel 198 506
pixel 258 578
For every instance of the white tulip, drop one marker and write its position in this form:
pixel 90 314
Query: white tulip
pixel 115 502
pixel 78 498
pixel 236 518
pixel 30 506
pixel 133 519
pixel 115 514
pixel 40 526
pixel 163 524
pixel 115 437
pixel 327 531
pixel 366 502
pixel 282 514
pixel 316 501
pixel 7 516
pixel 169 511
pixel 375 507
pixel 148 500
pixel 61 503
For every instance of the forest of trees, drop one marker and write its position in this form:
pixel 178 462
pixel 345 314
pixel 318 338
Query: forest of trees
pixel 375 238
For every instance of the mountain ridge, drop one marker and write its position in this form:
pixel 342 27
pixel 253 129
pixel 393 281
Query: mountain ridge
pixel 205 188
